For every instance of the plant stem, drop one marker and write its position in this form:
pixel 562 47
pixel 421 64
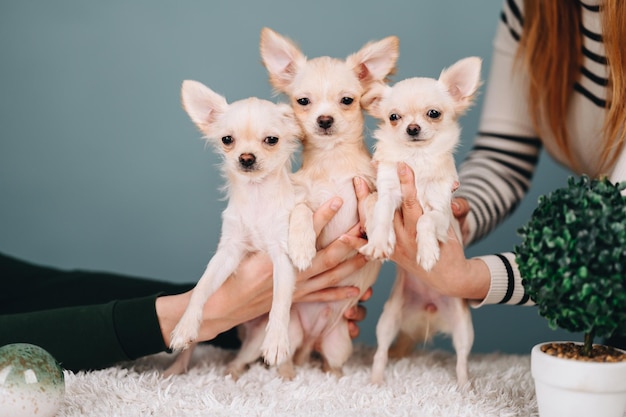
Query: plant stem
pixel 588 343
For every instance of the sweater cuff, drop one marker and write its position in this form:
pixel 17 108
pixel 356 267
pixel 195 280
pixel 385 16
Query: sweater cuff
pixel 499 281
pixel 506 282
pixel 137 326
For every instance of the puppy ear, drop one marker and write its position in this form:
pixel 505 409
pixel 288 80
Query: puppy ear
pixel 201 103
pixel 290 120
pixel 281 57
pixel 370 101
pixel 462 80
pixel 291 130
pixel 376 60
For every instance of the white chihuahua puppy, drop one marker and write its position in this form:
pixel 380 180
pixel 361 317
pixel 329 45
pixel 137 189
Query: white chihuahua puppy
pixel 419 126
pixel 256 140
pixel 325 94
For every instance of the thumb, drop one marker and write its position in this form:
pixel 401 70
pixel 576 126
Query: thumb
pixel 407 188
pixel 460 207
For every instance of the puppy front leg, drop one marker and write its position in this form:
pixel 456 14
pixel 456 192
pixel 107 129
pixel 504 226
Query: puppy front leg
pixel 380 233
pixel 302 239
pixel 432 227
pixel 220 267
pixel 276 347
pixel 296 337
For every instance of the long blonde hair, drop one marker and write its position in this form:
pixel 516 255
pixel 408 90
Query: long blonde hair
pixel 550 51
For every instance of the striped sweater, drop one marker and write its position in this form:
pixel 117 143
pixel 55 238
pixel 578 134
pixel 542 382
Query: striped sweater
pixel 498 170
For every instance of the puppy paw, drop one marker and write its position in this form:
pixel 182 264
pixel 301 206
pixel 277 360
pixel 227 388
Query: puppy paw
pixel 302 250
pixel 337 372
pixel 275 347
pixel 427 253
pixel 372 252
pixel 184 335
pixel 174 370
pixel 235 370
pixel 287 371
pixel 377 379
pixel 182 341
pixel 302 255
pixel 379 245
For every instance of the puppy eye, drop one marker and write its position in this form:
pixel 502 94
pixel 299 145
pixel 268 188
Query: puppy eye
pixel 303 101
pixel 347 100
pixel 394 117
pixel 227 140
pixel 271 140
pixel 433 114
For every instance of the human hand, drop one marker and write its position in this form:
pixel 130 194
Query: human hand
pixel 247 294
pixel 356 314
pixel 319 282
pixel 453 274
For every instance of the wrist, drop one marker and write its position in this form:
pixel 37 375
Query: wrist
pixel 478 280
pixel 170 309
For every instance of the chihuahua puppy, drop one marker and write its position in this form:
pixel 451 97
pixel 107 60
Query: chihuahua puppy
pixel 256 140
pixel 419 126
pixel 325 94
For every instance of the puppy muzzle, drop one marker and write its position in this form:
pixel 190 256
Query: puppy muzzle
pixel 325 122
pixel 413 130
pixel 247 161
pixel 325 125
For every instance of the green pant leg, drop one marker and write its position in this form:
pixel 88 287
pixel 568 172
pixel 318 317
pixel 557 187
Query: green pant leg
pixel 89 337
pixel 28 287
pixel 87 320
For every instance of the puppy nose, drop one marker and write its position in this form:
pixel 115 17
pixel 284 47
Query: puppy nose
pixel 413 129
pixel 247 160
pixel 325 121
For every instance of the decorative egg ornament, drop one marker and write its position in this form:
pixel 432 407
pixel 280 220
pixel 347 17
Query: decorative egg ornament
pixel 31 382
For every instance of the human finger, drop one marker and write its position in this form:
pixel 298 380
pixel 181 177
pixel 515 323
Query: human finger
pixel 367 294
pixel 460 210
pixel 355 315
pixel 325 295
pixel 363 195
pixel 356 312
pixel 328 279
pixel 353 329
pixel 360 188
pixel 460 207
pixel 355 242
pixel 325 212
pixel 411 208
pixel 332 255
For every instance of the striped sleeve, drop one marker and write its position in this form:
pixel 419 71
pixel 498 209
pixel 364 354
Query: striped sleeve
pixel 498 169
pixel 506 282
pixel 497 172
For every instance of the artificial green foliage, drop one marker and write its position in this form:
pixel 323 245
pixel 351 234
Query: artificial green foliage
pixel 572 258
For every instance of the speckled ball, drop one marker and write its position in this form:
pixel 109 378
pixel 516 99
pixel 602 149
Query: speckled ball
pixel 31 382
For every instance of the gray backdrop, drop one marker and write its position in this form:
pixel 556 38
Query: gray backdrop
pixel 100 168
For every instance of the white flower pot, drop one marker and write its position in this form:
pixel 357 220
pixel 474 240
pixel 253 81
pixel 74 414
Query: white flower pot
pixel 571 388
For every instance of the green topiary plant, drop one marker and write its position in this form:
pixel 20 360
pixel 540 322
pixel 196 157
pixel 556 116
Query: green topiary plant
pixel 572 258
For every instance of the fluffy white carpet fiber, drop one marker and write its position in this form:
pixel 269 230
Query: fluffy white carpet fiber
pixel 420 385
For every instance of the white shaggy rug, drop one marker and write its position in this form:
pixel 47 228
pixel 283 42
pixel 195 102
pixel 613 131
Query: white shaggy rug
pixel 421 385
